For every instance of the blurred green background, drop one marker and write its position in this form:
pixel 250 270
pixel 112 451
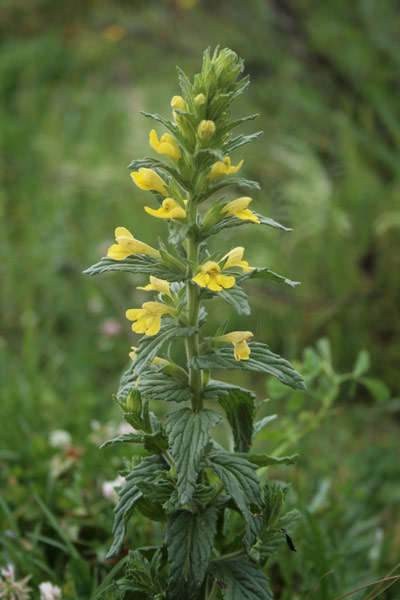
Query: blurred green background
pixel 325 81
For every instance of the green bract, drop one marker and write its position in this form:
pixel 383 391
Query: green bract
pixel 193 486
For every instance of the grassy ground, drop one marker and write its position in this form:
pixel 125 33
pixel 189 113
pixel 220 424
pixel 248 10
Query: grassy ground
pixel 73 79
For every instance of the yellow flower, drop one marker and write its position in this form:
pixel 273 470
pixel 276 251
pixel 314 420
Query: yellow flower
pixel 200 99
pixel 210 276
pixel 156 285
pixel 239 340
pixel 224 168
pixel 127 245
pixel 167 145
pixel 206 130
pixel 148 318
pixel 146 179
pixel 179 103
pixel 169 209
pixel 234 259
pixel 238 208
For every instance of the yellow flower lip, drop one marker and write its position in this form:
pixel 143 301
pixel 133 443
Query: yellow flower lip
pixel 238 208
pixel 166 145
pixel 179 103
pixel 224 168
pixel 169 209
pixel 234 259
pixel 210 276
pixel 156 285
pixel 148 180
pixel 239 340
pixel 127 245
pixel 147 319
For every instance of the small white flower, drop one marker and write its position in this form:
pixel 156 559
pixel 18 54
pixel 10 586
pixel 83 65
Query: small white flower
pixel 109 490
pixel 59 439
pixel 8 572
pixel 48 591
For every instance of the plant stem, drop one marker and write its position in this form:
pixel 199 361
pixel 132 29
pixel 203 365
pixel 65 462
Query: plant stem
pixel 193 305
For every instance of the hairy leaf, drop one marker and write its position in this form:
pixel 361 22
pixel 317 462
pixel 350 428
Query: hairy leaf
pixel 149 346
pixel 239 407
pixel 237 298
pixel 243 579
pixel 261 360
pixel 240 140
pixel 189 433
pixel 233 221
pixel 265 273
pixel 259 425
pixel 271 538
pixel 131 438
pixel 130 494
pixel 160 386
pixel 139 263
pixel 241 482
pixel 263 460
pixel 189 539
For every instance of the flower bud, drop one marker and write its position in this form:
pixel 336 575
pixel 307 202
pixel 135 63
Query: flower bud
pixel 200 99
pixel 206 130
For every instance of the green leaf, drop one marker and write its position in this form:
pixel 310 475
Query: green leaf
pixel 237 298
pixel 239 408
pixel 259 425
pixel 238 476
pixel 243 579
pixel 265 273
pixel 151 510
pixel 149 346
pixel 377 388
pixel 155 443
pixel 271 538
pixel 264 460
pixel 239 182
pixel 363 364
pixel 129 495
pixel 160 386
pixel 138 263
pixel 261 360
pixel 189 539
pixel 189 433
pixel 142 576
pixel 136 412
pixel 240 121
pixel 240 140
pixel 233 221
pixel 130 438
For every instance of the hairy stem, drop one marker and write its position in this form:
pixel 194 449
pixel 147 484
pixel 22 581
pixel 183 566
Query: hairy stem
pixel 193 305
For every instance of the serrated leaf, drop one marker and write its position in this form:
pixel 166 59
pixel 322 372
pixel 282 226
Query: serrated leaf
pixel 238 476
pixel 237 298
pixel 139 263
pixel 160 386
pixel 243 579
pixel 265 273
pixel 149 346
pixel 151 510
pixel 189 433
pixel 264 460
pixel 189 539
pixel 239 408
pixel 129 495
pixel 261 360
pixel 233 221
pixel 240 140
pixel 270 539
pixel 130 438
pixel 155 443
pixel 259 425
